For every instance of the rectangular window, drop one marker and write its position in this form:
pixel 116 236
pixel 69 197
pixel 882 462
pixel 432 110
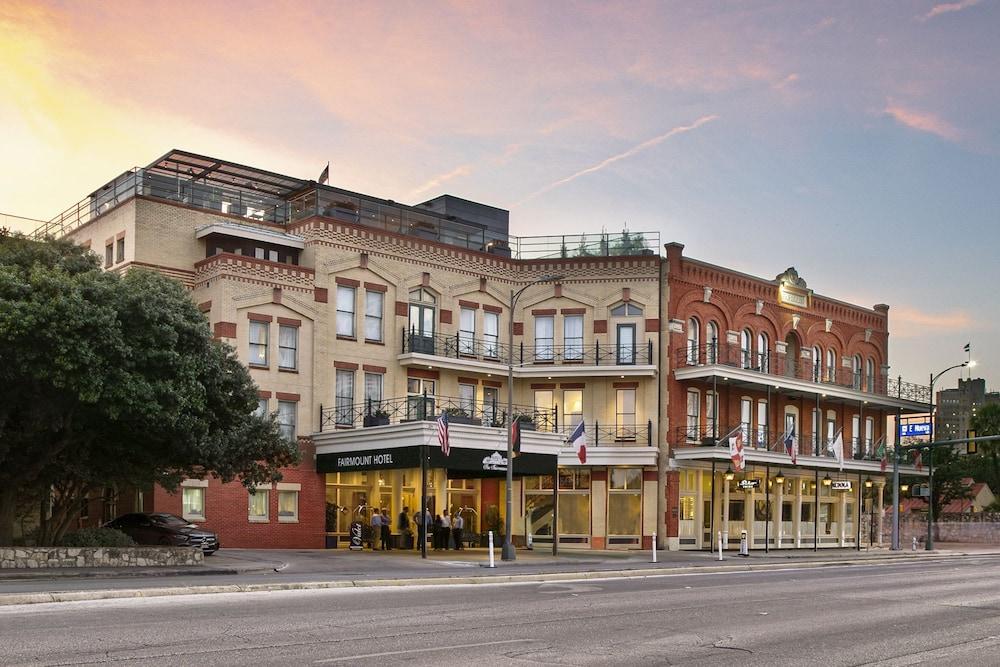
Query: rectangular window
pixel 258 253
pixel 467 399
pixel 855 434
pixel 258 343
pixel 491 399
pixel 491 335
pixel 572 408
pixel 288 506
pixel 544 332
pixel 625 501
pixel 625 414
pixel 373 315
pixel 345 311
pixel 272 255
pixel 711 404
pixel 120 250
pixel 543 401
pixel 693 416
pixel 109 255
pixel 573 337
pixel 817 429
pixel 344 398
pixel 762 424
pixel 257 506
pixel 745 419
pixel 286 419
pixel 467 331
pixel 193 503
pixel 288 346
pixel 373 390
pixel 626 343
pixel 261 410
pixel 869 434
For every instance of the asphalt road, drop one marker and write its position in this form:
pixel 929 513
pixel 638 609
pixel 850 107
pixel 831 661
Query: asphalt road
pixel 945 612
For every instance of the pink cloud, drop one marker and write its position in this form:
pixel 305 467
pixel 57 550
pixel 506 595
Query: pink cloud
pixel 909 322
pixel 440 179
pixel 947 8
pixel 923 122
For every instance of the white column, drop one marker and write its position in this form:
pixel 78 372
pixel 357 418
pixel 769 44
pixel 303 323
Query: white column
pixel 843 518
pixel 879 513
pixel 750 515
pixel 780 499
pixel 725 512
pixel 699 508
pixel 797 516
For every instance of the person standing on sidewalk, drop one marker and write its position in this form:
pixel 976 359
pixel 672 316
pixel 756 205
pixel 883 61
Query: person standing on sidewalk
pixel 376 526
pixel 445 530
pixel 403 526
pixel 386 531
pixel 457 524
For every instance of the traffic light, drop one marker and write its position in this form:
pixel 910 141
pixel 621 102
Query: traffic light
pixel 970 447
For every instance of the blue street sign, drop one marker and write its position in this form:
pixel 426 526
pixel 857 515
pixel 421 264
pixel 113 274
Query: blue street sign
pixel 914 429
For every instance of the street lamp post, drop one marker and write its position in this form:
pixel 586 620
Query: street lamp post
pixel 508 552
pixel 929 545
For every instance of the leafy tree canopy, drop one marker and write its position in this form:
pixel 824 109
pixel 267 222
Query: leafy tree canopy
pixel 108 378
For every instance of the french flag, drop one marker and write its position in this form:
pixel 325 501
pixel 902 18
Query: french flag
pixel 578 438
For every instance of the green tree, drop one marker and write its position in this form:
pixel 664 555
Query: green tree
pixel 950 471
pixel 987 460
pixel 115 379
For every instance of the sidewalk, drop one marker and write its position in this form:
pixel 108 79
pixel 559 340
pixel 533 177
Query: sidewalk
pixel 245 570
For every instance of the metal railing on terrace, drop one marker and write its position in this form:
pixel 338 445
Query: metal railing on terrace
pixel 621 435
pixel 759 439
pixel 772 364
pixel 425 407
pixel 619 244
pixel 462 346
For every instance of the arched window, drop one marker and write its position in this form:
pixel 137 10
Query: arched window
pixel 746 352
pixel 693 341
pixel 856 371
pixel 817 362
pixel 831 365
pixel 870 375
pixel 763 353
pixel 712 342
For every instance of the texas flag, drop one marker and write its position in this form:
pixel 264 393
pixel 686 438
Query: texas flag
pixel 578 438
pixel 790 445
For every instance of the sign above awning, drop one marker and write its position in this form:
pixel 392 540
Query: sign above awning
pixel 461 462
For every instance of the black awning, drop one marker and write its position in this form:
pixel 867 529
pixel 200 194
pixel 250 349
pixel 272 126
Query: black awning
pixel 461 463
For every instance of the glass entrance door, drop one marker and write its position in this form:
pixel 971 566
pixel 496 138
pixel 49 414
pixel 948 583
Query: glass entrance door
pixel 421 324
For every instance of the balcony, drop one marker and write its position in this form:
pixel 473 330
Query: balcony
pixel 732 363
pixel 465 353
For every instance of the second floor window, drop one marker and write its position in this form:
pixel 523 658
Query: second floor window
pixel 120 250
pixel 258 343
pixel 693 416
pixel 712 341
pixel 693 336
pixel 373 390
pixel 544 338
pixel 467 331
pixel 746 354
pixel 572 407
pixel 491 335
pixel 286 419
pixel 625 414
pixel 817 361
pixel 344 398
pixel 345 311
pixel 573 337
pixel 373 315
pixel 288 344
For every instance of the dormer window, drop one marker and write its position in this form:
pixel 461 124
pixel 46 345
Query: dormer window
pixel 626 310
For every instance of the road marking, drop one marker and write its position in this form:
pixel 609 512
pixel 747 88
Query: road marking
pixel 419 650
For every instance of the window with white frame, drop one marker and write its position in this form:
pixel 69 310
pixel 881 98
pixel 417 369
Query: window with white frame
pixel 573 337
pixel 817 364
pixel 711 408
pixel 627 309
pixel 869 434
pixel 855 434
pixel 288 505
pixel 373 391
pixel 693 414
pixel 746 406
pixel 345 311
pixel 544 332
pixel 693 341
pixel 467 399
pixel 831 365
pixel 712 342
pixel 193 503
pixel 288 347
pixel 856 370
pixel 491 335
pixel 746 352
pixel 467 331
pixel 374 302
pixel 344 397
pixel 257 505
pixel 258 343
pixel 762 423
pixel 763 353
pixel 625 414
pixel 543 401
pixel 261 410
pixel 870 375
pixel 286 419
pixel 572 408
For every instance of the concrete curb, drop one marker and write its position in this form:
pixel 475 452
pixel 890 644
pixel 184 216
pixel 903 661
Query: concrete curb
pixel 80 596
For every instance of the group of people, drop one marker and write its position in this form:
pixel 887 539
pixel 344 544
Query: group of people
pixel 445 530
pixel 381 530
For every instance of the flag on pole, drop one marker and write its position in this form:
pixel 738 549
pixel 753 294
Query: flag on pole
pixel 883 454
pixel 838 449
pixel 324 176
pixel 968 347
pixel 578 438
pixel 736 450
pixel 790 444
pixel 442 423
pixel 515 435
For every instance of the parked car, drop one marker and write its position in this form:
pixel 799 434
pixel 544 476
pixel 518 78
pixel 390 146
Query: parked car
pixel 165 529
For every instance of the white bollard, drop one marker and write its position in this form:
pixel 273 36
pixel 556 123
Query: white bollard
pixel 720 545
pixel 492 564
pixel 654 547
pixel 914 544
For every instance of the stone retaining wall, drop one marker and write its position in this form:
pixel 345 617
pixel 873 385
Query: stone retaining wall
pixel 48 557
pixel 966 530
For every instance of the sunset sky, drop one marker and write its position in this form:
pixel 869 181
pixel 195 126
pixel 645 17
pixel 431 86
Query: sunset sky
pixel 857 141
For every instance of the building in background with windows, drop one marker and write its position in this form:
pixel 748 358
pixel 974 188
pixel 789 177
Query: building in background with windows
pixel 957 407
pixel 361 320
pixel 781 367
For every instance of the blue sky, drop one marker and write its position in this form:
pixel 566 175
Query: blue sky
pixel 857 141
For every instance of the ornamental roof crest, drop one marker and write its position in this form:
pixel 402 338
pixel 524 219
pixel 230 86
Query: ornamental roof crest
pixel 791 277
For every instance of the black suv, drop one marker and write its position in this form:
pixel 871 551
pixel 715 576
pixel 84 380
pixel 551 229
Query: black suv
pixel 165 529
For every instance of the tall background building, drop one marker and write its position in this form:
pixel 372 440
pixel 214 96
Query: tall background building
pixel 957 407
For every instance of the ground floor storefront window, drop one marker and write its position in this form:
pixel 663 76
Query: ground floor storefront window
pixel 624 506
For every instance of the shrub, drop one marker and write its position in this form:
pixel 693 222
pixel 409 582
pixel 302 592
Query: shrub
pixel 97 537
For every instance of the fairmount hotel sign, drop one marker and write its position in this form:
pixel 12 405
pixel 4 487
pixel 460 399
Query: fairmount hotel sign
pixel 792 290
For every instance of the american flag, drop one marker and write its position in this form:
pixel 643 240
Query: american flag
pixel 442 423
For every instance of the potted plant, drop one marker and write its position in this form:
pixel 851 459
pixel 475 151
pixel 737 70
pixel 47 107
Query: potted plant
pixel 457 415
pixel 525 422
pixel 377 418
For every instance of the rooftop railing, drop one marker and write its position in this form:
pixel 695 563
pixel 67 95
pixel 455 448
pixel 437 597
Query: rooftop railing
pixel 776 365
pixel 462 346
pixel 761 439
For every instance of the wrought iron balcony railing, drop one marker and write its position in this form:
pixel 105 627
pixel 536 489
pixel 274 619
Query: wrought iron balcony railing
pixel 462 346
pixel 775 365
pixel 759 439
pixel 424 407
